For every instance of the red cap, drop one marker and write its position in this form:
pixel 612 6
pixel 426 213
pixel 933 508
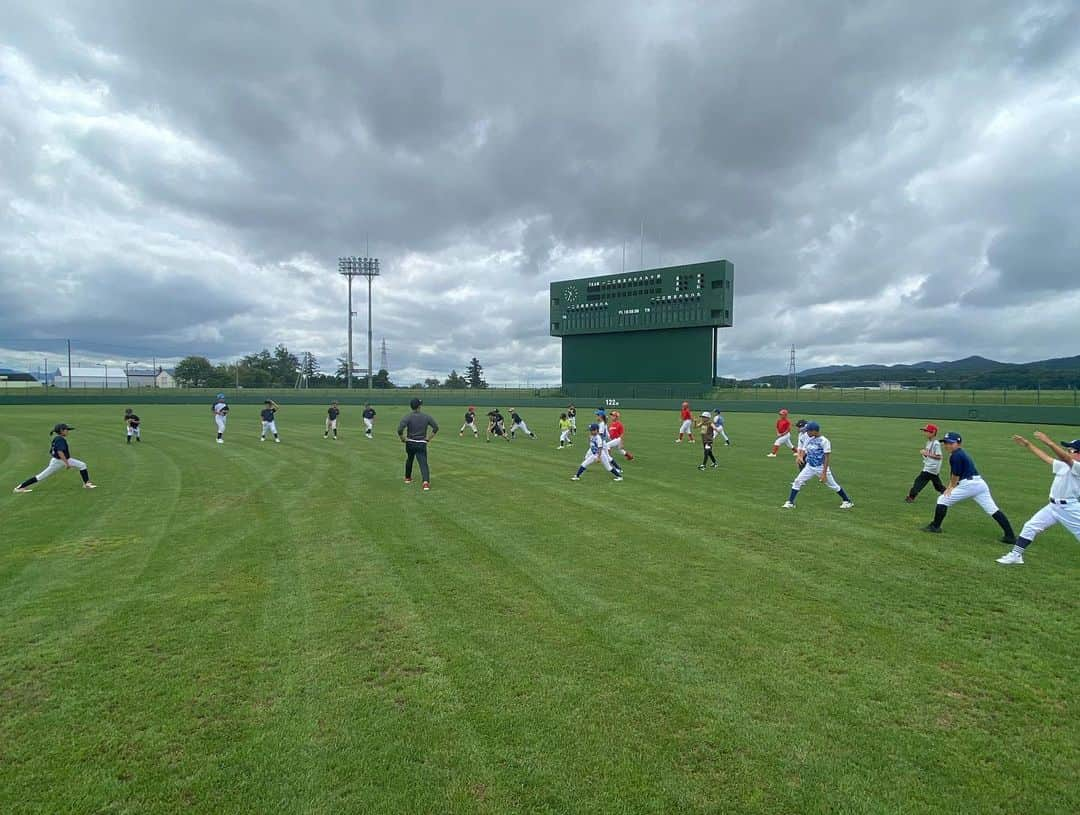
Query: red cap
pixel 931 428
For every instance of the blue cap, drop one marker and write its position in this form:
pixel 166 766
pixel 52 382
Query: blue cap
pixel 594 426
pixel 221 396
pixel 812 426
pixel 1073 445
pixel 951 438
pixel 601 412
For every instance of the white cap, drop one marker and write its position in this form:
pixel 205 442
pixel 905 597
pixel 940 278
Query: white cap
pixel 706 415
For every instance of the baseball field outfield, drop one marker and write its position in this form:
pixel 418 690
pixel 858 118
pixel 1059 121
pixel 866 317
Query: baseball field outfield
pixel 264 628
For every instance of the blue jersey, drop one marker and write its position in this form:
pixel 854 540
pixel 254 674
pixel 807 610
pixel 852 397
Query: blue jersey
pixel 816 448
pixel 59 445
pixel 961 465
pixel 596 444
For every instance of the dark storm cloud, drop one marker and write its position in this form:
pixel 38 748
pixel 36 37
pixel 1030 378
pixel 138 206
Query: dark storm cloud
pixel 857 162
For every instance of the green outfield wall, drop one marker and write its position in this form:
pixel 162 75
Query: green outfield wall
pixel 486 399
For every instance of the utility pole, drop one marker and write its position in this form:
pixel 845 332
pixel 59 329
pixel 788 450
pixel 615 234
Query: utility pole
pixel 69 364
pixel 792 379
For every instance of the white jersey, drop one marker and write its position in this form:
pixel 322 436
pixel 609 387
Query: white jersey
pixel 1066 484
pixel 803 438
pixel 930 464
pixel 219 407
pixel 817 447
pixel 603 429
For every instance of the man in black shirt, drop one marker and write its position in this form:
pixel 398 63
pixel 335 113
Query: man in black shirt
pixel 268 424
pixel 495 425
pixel 132 423
pixel 331 420
pixel 59 459
pixel 412 430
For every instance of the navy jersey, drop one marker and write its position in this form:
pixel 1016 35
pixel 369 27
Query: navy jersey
pixel 59 445
pixel 515 417
pixel 132 420
pixel 470 417
pixel 267 414
pixel 332 413
pixel 961 465
pixel 571 412
pixel 369 413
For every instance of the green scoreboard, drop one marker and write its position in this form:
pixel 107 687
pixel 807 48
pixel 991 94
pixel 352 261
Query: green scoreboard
pixel 652 327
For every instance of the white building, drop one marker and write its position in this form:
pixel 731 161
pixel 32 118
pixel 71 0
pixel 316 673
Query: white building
pixel 99 377
pixel 147 378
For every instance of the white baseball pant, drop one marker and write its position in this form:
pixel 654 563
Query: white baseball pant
pixel 471 427
pixel 604 458
pixel 269 426
pixel 808 472
pixel 368 424
pixel 564 436
pixel 524 428
pixel 220 422
pixel 1068 515
pixel 331 424
pixel 134 431
pixel 973 487
pixel 687 427
pixel 56 465
pixel 784 441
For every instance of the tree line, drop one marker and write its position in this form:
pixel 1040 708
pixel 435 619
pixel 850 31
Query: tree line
pixel 281 368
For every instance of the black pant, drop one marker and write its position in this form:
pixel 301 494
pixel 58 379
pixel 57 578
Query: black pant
pixel 708 455
pixel 921 481
pixel 417 450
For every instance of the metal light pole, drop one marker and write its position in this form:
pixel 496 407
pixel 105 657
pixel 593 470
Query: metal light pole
pixel 350 267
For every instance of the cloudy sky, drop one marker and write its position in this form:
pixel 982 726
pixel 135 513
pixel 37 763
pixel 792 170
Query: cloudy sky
pixel 893 180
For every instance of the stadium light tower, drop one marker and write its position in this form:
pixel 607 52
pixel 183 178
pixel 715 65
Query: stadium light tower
pixel 367 267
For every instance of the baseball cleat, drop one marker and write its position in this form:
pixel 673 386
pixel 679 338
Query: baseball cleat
pixel 618 478
pixel 770 455
pixel 847 505
pixel 262 438
pixel 221 441
pixel 427 486
pixel 408 480
pixel 22 489
pixel 787 505
pixel 277 441
pixel 89 485
pixel 701 467
pixel 931 528
pixel 909 500
pixel 1011 559
pixel 575 478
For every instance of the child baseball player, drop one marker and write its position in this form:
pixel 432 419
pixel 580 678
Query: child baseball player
pixel 597 452
pixel 783 433
pixel 59 459
pixel 517 423
pixel 601 420
pixel 571 414
pixel 800 446
pixel 221 413
pixel 268 414
pixel 965 482
pixel 332 414
pixel 495 425
pixel 369 420
pixel 470 423
pixel 566 431
pixel 616 431
pixel 708 433
pixel 931 465
pixel 718 427
pixel 1064 505
pixel 687 423
pixel 818 457
pixel 131 424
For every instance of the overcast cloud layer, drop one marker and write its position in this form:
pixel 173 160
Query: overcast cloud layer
pixel 894 181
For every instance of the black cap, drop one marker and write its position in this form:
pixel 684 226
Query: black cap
pixel 62 426
pixel 415 403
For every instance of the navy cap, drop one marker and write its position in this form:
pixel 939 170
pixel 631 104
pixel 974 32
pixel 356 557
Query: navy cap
pixel 414 403
pixel 594 426
pixel 812 426
pixel 951 438
pixel 801 423
pixel 62 426
pixel 1073 445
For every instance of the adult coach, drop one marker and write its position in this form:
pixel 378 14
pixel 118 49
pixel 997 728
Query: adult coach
pixel 412 430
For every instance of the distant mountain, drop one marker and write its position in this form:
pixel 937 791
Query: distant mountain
pixel 970 372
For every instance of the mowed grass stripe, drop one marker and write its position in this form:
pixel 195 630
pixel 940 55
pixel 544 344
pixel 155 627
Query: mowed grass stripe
pixel 311 635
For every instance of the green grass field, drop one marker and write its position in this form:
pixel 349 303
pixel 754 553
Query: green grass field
pixel 261 628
